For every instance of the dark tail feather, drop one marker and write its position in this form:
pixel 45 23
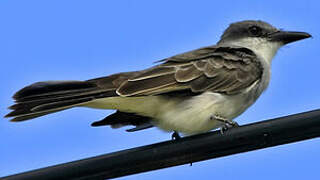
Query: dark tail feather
pixel 48 97
pixel 120 119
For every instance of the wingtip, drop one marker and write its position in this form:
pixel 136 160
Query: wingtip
pixel 12 107
pixel 8 115
pixel 13 120
pixel 95 124
pixel 15 96
pixel 99 123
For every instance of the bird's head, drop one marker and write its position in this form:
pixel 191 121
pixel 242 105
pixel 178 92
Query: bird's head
pixel 259 36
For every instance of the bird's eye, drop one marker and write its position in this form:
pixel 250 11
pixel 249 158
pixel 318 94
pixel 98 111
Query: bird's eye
pixel 255 30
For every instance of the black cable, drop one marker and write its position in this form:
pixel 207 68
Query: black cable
pixel 186 150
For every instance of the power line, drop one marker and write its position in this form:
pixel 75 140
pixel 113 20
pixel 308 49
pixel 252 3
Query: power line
pixel 186 150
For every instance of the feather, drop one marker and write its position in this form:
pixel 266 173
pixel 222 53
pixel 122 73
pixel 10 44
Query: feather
pixel 131 88
pixel 185 74
pixel 42 98
pixel 220 69
pixel 153 72
pixel 120 119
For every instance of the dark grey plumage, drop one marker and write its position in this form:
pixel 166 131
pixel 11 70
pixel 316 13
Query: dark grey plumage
pixel 218 69
pixel 119 119
pixel 240 29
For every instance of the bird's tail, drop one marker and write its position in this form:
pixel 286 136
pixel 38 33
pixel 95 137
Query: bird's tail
pixel 43 98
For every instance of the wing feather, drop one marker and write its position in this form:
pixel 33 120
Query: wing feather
pixel 218 69
pixel 186 74
pixel 153 72
pixel 211 71
pixel 145 86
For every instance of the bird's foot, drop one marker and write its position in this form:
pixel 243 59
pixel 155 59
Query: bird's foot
pixel 175 135
pixel 227 126
pixel 227 123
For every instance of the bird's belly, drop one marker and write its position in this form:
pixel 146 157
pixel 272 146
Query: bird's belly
pixel 193 116
pixel 186 115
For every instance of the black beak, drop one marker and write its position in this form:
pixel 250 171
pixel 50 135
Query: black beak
pixel 288 36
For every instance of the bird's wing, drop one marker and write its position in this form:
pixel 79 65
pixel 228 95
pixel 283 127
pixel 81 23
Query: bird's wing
pixel 218 69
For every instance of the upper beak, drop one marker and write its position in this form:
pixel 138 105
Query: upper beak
pixel 288 36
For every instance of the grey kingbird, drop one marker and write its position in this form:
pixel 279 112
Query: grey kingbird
pixel 191 93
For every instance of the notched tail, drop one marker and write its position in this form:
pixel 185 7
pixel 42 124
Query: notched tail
pixel 42 98
pixel 47 97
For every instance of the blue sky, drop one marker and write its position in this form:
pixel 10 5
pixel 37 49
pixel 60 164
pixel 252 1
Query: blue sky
pixel 79 40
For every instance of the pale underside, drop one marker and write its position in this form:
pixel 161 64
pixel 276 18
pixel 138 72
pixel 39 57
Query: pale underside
pixel 188 116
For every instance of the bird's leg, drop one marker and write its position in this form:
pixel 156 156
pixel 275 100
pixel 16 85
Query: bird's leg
pixel 175 135
pixel 227 123
pixel 227 126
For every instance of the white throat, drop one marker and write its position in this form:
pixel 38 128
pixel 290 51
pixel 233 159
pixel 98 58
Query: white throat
pixel 263 48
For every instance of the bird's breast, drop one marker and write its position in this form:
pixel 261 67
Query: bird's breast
pixel 192 115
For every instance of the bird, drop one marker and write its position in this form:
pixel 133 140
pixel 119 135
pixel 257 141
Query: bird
pixel 189 93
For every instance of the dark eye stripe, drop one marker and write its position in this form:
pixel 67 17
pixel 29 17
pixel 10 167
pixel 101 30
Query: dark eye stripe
pixel 255 30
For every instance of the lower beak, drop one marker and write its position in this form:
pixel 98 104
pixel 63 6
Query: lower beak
pixel 288 36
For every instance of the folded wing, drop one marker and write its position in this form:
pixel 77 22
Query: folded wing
pixel 226 70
